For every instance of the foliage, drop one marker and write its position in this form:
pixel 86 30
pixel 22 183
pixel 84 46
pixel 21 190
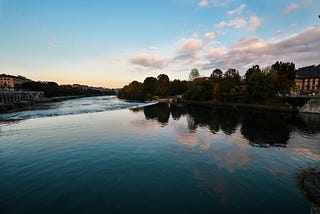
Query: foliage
pixel 133 91
pixel 216 75
pixel 152 87
pixel 257 85
pixel 149 85
pixel 178 87
pixel 286 74
pixel 228 87
pixel 260 85
pixel 200 89
pixel 52 89
pixel 163 84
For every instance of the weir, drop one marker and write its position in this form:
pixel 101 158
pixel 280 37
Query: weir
pixel 312 106
pixel 20 97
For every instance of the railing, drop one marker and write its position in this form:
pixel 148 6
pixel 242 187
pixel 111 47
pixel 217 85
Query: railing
pixel 17 97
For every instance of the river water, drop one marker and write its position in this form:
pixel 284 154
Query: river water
pixel 97 155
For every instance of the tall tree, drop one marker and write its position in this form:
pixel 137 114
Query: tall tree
pixel 252 70
pixel 216 75
pixel 163 84
pixel 286 76
pixel 149 85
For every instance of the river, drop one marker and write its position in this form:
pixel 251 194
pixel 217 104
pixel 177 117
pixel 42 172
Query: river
pixel 98 155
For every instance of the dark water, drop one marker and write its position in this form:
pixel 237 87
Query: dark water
pixel 158 159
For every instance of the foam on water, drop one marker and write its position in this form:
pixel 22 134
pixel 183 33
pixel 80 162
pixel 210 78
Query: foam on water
pixel 73 107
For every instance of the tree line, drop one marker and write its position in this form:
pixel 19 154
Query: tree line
pixel 256 85
pixel 53 89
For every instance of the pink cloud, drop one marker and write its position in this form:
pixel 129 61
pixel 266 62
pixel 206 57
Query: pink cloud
pixel 149 60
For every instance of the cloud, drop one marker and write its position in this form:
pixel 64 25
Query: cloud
pixel 215 52
pixel 302 49
pixel 149 60
pixel 203 3
pixel 294 25
pixel 252 24
pixel 237 10
pixel 189 48
pixel 236 23
pixel 209 35
pixel 295 6
pixel 214 3
pixel 245 42
pixel 278 33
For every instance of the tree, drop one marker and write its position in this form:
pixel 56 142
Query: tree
pixel 133 91
pixel 252 70
pixel 228 87
pixel 178 87
pixel 286 76
pixel 163 84
pixel 149 85
pixel 200 89
pixel 260 86
pixel 216 75
pixel 232 74
pixel 194 74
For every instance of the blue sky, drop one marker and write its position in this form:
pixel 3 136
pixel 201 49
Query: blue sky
pixel 110 43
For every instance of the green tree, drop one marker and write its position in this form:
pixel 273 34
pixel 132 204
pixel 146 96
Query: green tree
pixel 133 91
pixel 228 87
pixel 149 87
pixel 286 75
pixel 252 70
pixel 200 89
pixel 163 84
pixel 178 87
pixel 260 86
pixel 216 75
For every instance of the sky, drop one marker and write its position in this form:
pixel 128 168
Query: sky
pixel 111 43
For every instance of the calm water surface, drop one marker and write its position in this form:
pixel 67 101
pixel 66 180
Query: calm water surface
pixel 94 155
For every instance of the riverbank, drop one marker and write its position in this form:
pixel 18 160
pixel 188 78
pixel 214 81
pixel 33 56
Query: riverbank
pixel 29 106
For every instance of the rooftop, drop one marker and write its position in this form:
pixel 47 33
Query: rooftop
pixel 309 72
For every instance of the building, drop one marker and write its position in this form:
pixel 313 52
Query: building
pixel 308 80
pixel 8 82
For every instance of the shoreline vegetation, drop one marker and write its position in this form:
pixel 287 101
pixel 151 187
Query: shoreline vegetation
pixel 266 89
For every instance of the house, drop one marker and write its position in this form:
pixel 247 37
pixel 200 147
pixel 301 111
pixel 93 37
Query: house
pixel 308 80
pixel 9 82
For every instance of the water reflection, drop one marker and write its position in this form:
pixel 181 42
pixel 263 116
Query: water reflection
pixel 265 129
pixel 261 129
pixel 160 112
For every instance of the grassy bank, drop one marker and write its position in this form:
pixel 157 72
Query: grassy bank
pixel 273 107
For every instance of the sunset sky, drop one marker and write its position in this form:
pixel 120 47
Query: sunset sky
pixel 110 43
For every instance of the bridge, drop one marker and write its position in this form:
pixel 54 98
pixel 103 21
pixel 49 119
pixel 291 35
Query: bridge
pixel 20 97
